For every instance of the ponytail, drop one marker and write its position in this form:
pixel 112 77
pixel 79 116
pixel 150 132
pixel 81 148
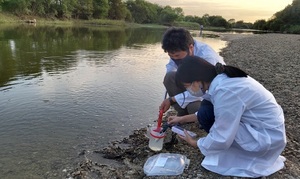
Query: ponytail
pixel 230 71
pixel 194 68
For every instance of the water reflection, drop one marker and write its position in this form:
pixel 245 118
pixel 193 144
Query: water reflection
pixel 27 50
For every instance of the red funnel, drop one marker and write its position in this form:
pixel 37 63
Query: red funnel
pixel 159 120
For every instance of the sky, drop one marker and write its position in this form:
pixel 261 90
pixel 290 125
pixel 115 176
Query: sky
pixel 246 10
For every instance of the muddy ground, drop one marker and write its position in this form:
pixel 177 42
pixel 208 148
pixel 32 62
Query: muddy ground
pixel 272 59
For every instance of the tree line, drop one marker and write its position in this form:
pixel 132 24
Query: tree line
pixel 286 20
pixel 143 12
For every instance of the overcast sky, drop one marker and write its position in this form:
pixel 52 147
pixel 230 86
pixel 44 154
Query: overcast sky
pixel 246 10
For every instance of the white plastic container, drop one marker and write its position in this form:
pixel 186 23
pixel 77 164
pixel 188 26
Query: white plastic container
pixel 179 130
pixel 156 139
pixel 166 164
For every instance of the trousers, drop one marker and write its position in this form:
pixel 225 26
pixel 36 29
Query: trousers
pixel 205 115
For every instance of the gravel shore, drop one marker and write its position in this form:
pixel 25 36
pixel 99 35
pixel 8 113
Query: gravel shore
pixel 272 59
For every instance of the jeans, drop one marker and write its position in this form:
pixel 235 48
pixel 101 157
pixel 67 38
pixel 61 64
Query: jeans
pixel 205 115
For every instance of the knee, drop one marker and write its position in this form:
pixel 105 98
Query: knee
pixel 206 115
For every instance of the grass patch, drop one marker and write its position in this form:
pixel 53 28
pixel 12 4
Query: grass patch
pixel 188 25
pixel 101 22
pixel 8 18
pixel 294 29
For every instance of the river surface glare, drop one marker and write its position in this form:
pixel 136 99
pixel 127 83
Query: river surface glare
pixel 65 90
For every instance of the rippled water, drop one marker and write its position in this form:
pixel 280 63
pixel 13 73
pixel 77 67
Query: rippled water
pixel 65 90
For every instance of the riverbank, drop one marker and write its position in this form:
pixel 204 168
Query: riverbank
pixel 272 59
pixel 33 20
pixel 6 18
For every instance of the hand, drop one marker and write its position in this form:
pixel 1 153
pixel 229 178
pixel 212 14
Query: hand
pixel 165 105
pixel 173 120
pixel 188 139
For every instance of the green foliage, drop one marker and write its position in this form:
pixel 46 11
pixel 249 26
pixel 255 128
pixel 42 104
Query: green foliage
pixel 144 12
pixel 117 10
pixel 188 25
pixel 294 29
pixel 168 16
pixel 217 21
pixel 139 10
pixel 260 25
pixel 195 19
pixel 242 25
pixel 100 9
pixel 7 18
pixel 287 20
pixel 84 9
pixel 18 7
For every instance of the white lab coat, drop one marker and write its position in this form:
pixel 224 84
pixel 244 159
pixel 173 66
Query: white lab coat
pixel 201 50
pixel 248 135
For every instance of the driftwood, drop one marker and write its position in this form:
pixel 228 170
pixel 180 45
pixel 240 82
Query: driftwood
pixel 30 21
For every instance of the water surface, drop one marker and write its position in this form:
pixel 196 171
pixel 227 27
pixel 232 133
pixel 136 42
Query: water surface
pixel 68 89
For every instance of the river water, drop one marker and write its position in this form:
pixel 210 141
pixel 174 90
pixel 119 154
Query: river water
pixel 68 89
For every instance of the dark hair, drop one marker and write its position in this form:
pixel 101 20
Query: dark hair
pixel 194 68
pixel 177 39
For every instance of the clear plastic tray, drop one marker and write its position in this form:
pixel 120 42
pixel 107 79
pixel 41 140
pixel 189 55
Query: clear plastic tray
pixel 166 164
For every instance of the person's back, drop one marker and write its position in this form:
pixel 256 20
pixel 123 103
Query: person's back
pixel 246 133
pixel 206 52
pixel 254 130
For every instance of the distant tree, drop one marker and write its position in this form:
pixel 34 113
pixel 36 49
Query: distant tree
pixel 84 9
pixel 199 20
pixel 143 11
pixel 128 16
pixel 260 25
pixel 276 25
pixel 179 12
pixel 18 7
pixel 217 21
pixel 205 19
pixel 100 9
pixel 231 23
pixel 189 18
pixel 153 11
pixel 289 16
pixel 117 10
pixel 37 8
pixel 168 15
pixel 138 10
pixel 196 19
pixel 241 25
pixel 62 9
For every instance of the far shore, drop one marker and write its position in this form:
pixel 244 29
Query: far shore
pixel 32 20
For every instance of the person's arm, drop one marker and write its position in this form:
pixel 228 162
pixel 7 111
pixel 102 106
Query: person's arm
pixel 173 120
pixel 183 99
pixel 165 105
pixel 189 139
pixel 228 109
